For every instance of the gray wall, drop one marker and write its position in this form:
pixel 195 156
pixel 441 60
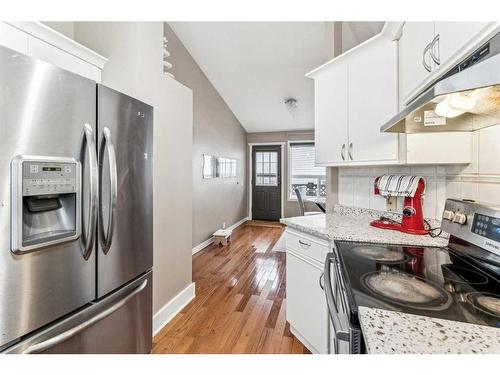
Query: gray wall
pixel 291 208
pixel 216 132
pixel 135 53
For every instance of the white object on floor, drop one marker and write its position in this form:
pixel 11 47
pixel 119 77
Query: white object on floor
pixel 280 245
pixel 222 236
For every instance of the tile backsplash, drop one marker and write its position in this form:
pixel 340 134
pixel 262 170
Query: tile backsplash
pixel 479 180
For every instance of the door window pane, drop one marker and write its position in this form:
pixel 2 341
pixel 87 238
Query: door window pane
pixel 266 168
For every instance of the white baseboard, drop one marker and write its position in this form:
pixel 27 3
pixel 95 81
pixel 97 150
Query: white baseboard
pixel 304 342
pixel 204 244
pixel 172 308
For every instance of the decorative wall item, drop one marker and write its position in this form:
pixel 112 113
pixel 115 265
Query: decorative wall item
pixel 226 168
pixel 166 54
pixel 218 167
pixel 209 166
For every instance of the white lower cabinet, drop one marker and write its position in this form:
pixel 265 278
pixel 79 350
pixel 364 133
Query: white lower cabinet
pixel 306 308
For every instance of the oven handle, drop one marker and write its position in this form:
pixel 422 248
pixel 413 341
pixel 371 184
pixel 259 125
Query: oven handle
pixel 341 285
pixel 330 300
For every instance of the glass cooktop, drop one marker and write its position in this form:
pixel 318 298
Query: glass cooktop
pixel 437 282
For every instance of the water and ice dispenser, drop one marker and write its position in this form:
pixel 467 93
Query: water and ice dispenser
pixel 46 203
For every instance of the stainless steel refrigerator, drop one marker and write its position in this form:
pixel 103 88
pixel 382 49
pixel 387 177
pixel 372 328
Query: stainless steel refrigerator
pixel 76 213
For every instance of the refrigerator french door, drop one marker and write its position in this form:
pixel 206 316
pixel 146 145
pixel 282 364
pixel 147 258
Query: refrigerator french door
pixel 76 236
pixel 126 204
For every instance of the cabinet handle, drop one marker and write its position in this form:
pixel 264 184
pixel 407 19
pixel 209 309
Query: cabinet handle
pixel 342 152
pixel 435 57
pixel 350 151
pixel 304 243
pixel 424 63
pixel 321 281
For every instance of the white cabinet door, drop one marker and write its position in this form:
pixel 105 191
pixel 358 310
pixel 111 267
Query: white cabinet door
pixel 306 308
pixel 415 37
pixel 330 101
pixel 13 38
pixel 453 36
pixel 373 99
pixel 58 57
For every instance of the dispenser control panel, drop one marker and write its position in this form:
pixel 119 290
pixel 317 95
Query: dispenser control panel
pixel 45 202
pixel 42 178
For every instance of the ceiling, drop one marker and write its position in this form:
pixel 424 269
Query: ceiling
pixel 255 66
pixel 354 33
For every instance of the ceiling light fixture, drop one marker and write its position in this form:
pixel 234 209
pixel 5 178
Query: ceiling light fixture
pixel 292 105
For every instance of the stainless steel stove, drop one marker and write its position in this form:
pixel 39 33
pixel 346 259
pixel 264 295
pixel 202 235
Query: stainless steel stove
pixel 459 282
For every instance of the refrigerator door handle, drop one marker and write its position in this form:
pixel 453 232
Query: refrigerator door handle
pixel 88 238
pixel 107 144
pixel 47 344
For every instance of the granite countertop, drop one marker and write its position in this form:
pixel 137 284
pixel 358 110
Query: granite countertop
pixel 353 224
pixel 391 332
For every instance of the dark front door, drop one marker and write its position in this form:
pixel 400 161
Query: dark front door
pixel 266 182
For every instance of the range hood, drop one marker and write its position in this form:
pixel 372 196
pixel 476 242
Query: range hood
pixel 465 98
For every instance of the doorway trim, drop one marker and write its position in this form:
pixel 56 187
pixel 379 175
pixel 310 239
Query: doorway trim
pixel 250 174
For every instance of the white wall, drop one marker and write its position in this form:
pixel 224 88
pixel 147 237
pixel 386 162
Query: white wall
pixel 134 50
pixel 479 180
pixel 216 131
pixel 66 28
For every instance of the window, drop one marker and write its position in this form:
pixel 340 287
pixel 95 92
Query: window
pixel 302 172
pixel 266 168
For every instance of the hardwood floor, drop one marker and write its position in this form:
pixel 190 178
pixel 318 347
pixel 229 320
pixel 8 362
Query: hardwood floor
pixel 240 300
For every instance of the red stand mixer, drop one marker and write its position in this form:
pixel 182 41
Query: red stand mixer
pixel 413 216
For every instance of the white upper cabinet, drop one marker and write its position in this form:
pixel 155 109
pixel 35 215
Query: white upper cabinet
pixel 354 95
pixel 453 36
pixel 330 98
pixel 13 38
pixel 428 49
pixel 56 56
pixel 40 41
pixel 414 67
pixel 373 98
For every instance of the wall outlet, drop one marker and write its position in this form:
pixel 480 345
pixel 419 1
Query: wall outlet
pixel 391 204
pixel 224 225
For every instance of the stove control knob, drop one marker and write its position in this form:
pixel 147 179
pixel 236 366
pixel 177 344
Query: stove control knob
pixel 448 215
pixel 460 218
pixel 408 211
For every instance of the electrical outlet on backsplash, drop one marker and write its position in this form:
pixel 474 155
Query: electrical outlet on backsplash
pixel 392 204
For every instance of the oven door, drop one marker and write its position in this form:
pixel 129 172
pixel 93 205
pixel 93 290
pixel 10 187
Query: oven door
pixel 345 339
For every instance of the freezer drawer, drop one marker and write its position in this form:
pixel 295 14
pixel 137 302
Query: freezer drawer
pixel 119 323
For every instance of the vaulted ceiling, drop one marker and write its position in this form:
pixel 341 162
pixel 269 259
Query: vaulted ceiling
pixel 256 66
